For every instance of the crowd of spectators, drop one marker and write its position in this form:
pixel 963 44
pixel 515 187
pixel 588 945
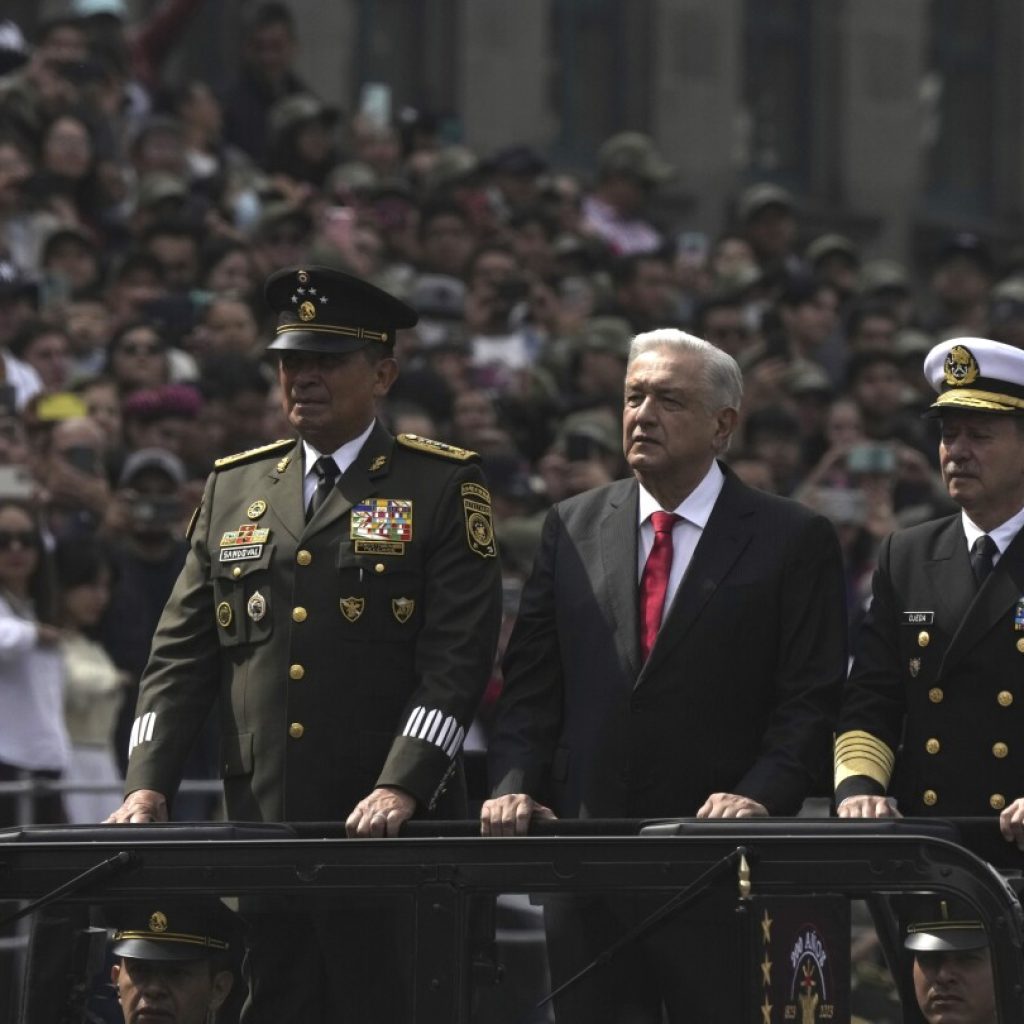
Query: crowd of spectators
pixel 139 216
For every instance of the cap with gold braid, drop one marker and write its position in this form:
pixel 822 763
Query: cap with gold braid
pixel 940 924
pixel 324 310
pixel 174 930
pixel 976 375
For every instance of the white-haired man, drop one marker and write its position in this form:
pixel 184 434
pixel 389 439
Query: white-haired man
pixel 679 651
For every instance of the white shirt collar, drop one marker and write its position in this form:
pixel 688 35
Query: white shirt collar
pixel 1003 534
pixel 343 456
pixel 696 506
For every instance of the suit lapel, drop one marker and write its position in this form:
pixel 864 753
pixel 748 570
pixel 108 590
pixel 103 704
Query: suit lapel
pixel 950 578
pixel 1003 589
pixel 285 494
pixel 359 481
pixel 619 544
pixel 729 530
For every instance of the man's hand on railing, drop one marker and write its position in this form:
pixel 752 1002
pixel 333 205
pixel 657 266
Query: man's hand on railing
pixel 141 806
pixel 731 805
pixel 868 807
pixel 1011 823
pixel 510 815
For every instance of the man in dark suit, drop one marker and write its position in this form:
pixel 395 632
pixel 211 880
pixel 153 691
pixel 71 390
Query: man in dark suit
pixel 934 709
pixel 638 685
pixel 340 601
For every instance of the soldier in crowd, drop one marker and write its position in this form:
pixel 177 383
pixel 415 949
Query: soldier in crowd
pixel 341 599
pixel 176 961
pixel 939 659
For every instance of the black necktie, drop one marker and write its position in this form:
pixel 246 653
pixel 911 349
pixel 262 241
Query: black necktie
pixel 327 470
pixel 982 552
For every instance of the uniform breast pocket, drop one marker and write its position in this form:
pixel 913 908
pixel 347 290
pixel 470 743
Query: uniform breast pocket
pixel 242 600
pixel 379 601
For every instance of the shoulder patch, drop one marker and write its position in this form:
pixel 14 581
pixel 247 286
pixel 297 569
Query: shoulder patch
pixel 253 454
pixel 425 444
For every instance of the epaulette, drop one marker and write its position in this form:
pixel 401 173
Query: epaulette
pixel 425 444
pixel 252 454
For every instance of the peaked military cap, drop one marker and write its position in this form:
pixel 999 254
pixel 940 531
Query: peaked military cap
pixel 324 310
pixel 976 375
pixel 940 924
pixel 174 930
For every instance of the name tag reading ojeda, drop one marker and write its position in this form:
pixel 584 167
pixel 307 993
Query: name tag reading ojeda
pixel 918 618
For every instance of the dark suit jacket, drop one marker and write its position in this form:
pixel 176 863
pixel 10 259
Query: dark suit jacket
pixel 939 670
pixel 740 691
pixel 336 669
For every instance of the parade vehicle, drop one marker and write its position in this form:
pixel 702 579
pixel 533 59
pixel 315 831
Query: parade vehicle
pixel 473 904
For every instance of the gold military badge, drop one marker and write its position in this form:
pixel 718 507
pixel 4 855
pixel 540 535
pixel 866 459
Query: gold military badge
pixel 224 615
pixel 307 311
pixel 960 367
pixel 158 921
pixel 352 607
pixel 403 608
pixel 256 509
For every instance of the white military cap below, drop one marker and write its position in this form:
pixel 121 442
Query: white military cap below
pixel 976 374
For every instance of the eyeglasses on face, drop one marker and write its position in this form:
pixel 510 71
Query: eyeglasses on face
pixel 23 538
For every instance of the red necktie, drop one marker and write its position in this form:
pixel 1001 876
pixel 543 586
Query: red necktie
pixel 654 581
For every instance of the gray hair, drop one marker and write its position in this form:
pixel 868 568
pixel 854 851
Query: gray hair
pixel 721 379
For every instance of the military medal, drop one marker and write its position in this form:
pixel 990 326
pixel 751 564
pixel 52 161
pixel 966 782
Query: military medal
pixel 352 607
pixel 382 526
pixel 224 615
pixel 1018 616
pixel 257 606
pixel 243 544
pixel 256 509
pixel 915 667
pixel 403 607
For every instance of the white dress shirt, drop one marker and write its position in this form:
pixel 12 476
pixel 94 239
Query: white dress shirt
pixel 694 512
pixel 1002 535
pixel 343 457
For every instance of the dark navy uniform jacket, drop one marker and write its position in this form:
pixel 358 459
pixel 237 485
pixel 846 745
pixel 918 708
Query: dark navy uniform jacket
pixel 934 709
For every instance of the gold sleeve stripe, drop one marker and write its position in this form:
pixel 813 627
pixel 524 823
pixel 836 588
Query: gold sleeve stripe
pixel 860 753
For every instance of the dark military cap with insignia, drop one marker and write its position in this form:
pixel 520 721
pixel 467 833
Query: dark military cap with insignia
pixel 940 924
pixel 174 930
pixel 324 310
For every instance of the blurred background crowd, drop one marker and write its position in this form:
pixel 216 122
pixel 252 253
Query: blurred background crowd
pixel 139 214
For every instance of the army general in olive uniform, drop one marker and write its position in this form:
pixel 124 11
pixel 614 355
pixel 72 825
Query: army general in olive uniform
pixel 341 598
pixel 933 712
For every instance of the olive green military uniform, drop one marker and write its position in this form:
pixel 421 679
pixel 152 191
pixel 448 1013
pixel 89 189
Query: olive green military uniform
pixel 346 653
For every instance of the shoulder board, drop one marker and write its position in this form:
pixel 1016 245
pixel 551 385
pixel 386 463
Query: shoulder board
pixel 424 444
pixel 252 454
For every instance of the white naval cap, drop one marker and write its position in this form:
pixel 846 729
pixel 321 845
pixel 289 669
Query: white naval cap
pixel 976 375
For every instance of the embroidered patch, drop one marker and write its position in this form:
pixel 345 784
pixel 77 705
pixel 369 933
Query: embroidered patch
pixel 241 554
pixel 403 607
pixel 352 607
pixel 479 531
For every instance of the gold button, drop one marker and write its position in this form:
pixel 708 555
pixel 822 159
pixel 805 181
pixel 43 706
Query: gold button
pixel 296 672
pixel 997 801
pixel 923 639
pixel 933 746
pixel 1020 645
pixel 237 571
pixel 1005 698
pixel 930 798
pixel 379 567
pixel 935 695
pixel 298 614
pixel 1000 750
pixel 303 557
pixel 295 730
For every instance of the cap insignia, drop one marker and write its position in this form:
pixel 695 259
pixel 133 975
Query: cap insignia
pixel 303 277
pixel 307 311
pixel 158 921
pixel 960 367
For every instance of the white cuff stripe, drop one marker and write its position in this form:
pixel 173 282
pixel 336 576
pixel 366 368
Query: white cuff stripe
pixel 435 727
pixel 142 730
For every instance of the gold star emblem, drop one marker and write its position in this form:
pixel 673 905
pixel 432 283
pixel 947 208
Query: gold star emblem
pixel 766 927
pixel 766 970
pixel 766 1011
